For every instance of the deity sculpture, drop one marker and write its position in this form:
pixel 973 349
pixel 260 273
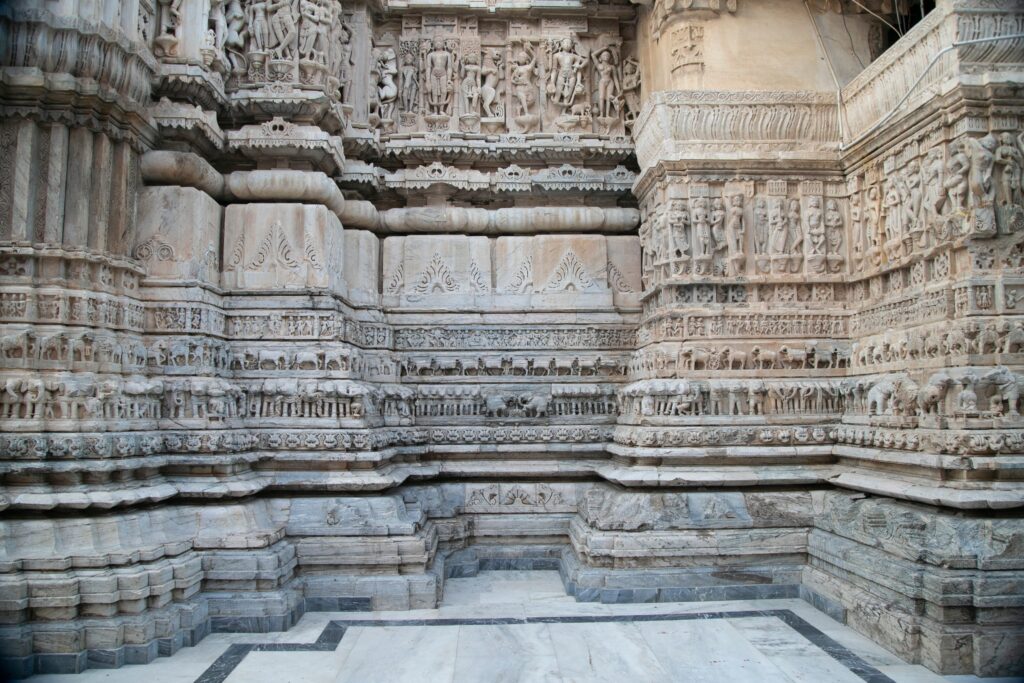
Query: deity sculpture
pixel 438 84
pixel 912 204
pixel 796 235
pixel 565 74
pixel 609 90
pixel 857 228
pixel 492 73
pixel 815 227
pixel 631 89
pixel 678 220
pixel 409 77
pixel 779 238
pixel 285 28
pixel 718 224
pixel 469 88
pixel 760 226
pixel 1009 160
pixel 524 70
pixel 314 18
pixel 982 160
pixel 957 169
pixel 387 89
pixel 340 49
pixel 168 23
pixel 735 231
pixel 834 235
pixel 219 25
pixel 234 37
pixel 892 215
pixel 702 227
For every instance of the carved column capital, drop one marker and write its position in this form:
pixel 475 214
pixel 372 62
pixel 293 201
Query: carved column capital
pixel 664 12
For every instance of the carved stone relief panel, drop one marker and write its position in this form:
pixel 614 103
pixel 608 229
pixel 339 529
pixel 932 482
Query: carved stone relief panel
pixel 438 73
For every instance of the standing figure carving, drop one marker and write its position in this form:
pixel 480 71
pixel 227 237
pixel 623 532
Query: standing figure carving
pixel 834 235
pixel 492 73
pixel 957 169
pixel 565 74
pixel 857 229
pixel 283 24
pixel 1010 162
pixel 234 38
pixel 609 89
pixel 439 65
pixel 524 71
pixel 735 233
pixel 409 76
pixel 387 89
pixel 934 198
pixel 469 88
pixel 259 26
pixel 702 243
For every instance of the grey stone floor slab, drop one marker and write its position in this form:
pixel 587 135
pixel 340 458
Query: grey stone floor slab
pixel 520 626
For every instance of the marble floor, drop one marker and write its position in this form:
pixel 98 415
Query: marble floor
pixel 521 626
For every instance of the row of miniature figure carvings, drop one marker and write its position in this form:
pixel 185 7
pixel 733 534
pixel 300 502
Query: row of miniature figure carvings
pixel 922 195
pixel 71 307
pixel 764 355
pixel 32 398
pixel 99 351
pixel 965 337
pixel 933 342
pixel 906 204
pixel 970 392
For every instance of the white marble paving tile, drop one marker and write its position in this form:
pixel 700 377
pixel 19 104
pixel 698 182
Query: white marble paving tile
pixel 286 667
pixel 708 651
pixel 401 654
pixel 506 640
pixel 614 652
pixel 915 673
pixel 507 670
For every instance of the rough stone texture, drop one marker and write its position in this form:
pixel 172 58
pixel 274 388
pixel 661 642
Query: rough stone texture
pixel 311 306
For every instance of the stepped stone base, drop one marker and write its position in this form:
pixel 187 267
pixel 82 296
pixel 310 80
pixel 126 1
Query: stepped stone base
pixel 948 599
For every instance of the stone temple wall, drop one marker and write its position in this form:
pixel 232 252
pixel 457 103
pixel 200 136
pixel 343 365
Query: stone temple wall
pixel 312 305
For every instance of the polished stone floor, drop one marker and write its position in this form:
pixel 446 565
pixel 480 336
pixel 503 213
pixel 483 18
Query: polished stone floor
pixel 520 626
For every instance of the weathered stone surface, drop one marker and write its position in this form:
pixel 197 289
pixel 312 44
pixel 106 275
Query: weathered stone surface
pixel 310 306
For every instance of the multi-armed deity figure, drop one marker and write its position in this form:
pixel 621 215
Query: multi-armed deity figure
pixel 438 83
pixel 565 74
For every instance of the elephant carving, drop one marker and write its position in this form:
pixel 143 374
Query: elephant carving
pixel 497 405
pixel 932 394
pixel 536 406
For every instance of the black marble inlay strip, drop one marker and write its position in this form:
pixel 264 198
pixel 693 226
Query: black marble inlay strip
pixel 225 664
pixel 332 634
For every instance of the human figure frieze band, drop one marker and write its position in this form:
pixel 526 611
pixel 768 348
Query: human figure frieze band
pixel 423 73
pixel 913 201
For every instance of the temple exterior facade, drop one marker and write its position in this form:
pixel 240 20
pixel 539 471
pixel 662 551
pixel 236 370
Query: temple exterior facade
pixel 310 305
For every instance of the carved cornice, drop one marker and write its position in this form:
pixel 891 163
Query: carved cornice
pixel 698 124
pixel 104 57
pixel 514 178
pixel 664 12
pixel 281 139
pixel 177 120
